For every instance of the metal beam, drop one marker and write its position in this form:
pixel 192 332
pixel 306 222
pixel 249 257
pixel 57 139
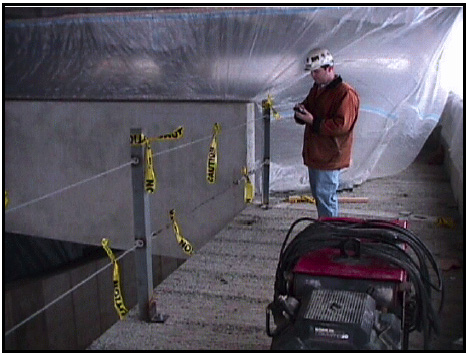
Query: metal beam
pixel 142 227
pixel 266 162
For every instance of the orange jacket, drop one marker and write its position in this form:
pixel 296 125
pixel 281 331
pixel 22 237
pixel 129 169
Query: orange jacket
pixel 328 141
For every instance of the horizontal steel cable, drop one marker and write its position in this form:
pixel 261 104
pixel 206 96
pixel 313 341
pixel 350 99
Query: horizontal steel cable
pixel 15 208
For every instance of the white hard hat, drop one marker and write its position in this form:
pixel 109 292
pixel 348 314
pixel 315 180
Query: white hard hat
pixel 318 57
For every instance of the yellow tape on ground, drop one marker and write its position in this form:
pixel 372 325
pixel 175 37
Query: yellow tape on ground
pixel 310 199
pixel 118 299
pixel 300 199
pixel 446 222
pixel 212 160
pixel 7 201
pixel 183 242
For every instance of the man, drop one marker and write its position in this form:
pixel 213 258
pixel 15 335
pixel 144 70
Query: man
pixel 329 114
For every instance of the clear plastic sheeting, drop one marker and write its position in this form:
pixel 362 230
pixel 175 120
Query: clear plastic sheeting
pixel 389 54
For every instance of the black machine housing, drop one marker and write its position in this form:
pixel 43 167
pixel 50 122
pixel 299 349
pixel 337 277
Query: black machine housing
pixel 341 285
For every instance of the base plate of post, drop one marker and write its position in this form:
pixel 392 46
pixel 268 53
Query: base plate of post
pixel 158 318
pixel 153 314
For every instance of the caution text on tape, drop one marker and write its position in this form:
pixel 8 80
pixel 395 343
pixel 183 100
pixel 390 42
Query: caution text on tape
pixel 150 178
pixel 178 133
pixel 212 160
pixel 118 299
pixel 301 199
pixel 140 139
pixel 310 199
pixel 185 245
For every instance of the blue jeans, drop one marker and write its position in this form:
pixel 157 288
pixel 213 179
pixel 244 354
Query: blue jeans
pixel 324 185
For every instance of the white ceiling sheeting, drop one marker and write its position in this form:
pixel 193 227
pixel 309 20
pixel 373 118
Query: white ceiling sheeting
pixel 391 55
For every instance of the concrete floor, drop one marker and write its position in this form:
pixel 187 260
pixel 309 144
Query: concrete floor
pixel 216 300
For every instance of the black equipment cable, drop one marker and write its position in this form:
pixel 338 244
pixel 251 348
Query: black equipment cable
pixel 385 240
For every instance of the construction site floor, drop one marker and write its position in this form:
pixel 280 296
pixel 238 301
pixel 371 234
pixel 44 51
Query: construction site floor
pixel 216 300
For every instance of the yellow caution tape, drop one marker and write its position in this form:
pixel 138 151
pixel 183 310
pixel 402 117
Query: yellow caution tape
pixel 183 242
pixel 300 199
pixel 248 191
pixel 445 222
pixel 176 134
pixel 248 187
pixel 7 201
pixel 269 104
pixel 138 139
pixel 212 160
pixel 150 178
pixel 118 299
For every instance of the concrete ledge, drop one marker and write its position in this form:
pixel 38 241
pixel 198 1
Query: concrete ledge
pixel 73 322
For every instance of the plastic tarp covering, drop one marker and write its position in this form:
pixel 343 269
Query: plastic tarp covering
pixel 389 54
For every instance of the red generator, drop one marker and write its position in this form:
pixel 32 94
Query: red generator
pixel 353 284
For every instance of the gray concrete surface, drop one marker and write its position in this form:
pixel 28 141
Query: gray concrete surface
pixel 216 300
pixel 66 324
pixel 53 146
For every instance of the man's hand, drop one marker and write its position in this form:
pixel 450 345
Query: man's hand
pixel 302 114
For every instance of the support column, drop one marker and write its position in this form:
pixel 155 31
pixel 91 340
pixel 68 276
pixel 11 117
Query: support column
pixel 251 142
pixel 142 226
pixel 266 162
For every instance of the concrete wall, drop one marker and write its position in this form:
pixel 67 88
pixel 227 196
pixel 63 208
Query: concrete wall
pixel 81 316
pixel 452 139
pixel 51 146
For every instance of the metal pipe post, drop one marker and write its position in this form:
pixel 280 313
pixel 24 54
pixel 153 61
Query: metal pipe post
pixel 142 226
pixel 251 142
pixel 266 162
